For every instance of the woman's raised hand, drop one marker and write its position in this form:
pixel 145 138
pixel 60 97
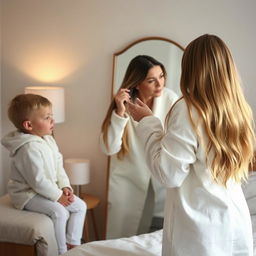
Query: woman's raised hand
pixel 138 110
pixel 121 98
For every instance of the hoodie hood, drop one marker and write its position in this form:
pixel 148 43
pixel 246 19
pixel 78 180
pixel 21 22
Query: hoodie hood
pixel 14 140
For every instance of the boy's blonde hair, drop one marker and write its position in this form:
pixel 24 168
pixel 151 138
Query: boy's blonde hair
pixel 22 106
pixel 211 84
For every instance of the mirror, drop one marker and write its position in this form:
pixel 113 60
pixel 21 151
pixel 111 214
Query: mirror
pixel 145 206
pixel 166 51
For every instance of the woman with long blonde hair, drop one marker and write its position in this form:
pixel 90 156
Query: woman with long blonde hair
pixel 203 155
pixel 130 180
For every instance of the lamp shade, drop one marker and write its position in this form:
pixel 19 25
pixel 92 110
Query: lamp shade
pixel 78 170
pixel 55 95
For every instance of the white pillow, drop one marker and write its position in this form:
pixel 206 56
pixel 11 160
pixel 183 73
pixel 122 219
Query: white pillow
pixel 249 189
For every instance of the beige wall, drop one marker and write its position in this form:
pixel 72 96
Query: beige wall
pixel 2 180
pixel 70 43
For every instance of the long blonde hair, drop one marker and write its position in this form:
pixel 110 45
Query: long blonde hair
pixel 210 83
pixel 136 72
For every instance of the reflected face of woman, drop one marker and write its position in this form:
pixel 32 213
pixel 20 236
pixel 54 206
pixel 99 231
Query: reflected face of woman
pixel 153 84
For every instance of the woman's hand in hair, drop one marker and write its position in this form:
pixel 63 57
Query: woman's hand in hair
pixel 138 110
pixel 121 98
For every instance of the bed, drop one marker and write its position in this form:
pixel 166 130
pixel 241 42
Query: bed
pixel 25 233
pixel 150 244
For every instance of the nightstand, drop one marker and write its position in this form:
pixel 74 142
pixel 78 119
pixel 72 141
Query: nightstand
pixel 92 202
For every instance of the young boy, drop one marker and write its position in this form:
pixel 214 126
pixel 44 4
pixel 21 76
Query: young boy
pixel 38 181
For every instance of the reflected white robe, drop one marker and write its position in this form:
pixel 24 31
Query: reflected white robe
pixel 202 218
pixel 129 177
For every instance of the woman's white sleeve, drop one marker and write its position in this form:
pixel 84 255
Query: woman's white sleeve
pixel 115 134
pixel 169 154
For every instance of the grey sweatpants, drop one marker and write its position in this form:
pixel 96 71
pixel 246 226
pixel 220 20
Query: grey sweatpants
pixel 68 220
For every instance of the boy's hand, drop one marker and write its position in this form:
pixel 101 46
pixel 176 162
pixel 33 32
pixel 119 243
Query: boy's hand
pixel 64 200
pixel 68 192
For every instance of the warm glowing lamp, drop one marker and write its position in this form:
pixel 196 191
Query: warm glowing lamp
pixel 78 171
pixel 55 95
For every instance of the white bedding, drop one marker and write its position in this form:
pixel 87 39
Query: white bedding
pixel 150 244
pixel 142 245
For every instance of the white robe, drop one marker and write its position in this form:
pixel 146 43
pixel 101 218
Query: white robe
pixel 129 178
pixel 202 218
pixel 36 168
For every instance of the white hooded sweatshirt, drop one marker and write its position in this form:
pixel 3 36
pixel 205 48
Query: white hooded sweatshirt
pixel 36 168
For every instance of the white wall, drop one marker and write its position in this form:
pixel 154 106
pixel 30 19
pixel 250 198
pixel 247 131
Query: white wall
pixel 70 43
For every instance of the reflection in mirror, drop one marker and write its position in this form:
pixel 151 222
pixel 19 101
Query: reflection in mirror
pixel 166 51
pixel 135 198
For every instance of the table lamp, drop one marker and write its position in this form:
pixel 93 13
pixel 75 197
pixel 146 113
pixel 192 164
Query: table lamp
pixel 78 171
pixel 55 95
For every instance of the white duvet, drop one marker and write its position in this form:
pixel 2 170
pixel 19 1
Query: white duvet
pixel 143 245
